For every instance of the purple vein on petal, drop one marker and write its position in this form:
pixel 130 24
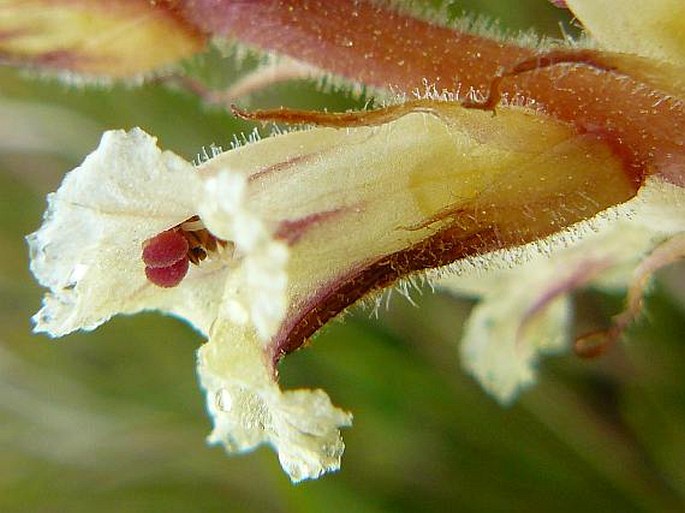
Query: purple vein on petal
pixel 292 230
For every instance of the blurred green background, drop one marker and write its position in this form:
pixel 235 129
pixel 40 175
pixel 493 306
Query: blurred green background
pixel 113 421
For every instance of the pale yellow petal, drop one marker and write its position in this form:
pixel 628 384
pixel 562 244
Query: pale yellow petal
pixel 653 29
pixel 256 294
pixel 88 250
pixel 522 311
pixel 248 409
pixel 357 206
pixel 502 345
pixel 93 38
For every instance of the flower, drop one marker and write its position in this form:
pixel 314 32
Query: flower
pixel 578 177
pixel 90 39
pixel 94 227
pixel 524 311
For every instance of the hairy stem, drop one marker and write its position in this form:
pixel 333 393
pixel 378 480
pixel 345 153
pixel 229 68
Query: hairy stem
pixel 602 94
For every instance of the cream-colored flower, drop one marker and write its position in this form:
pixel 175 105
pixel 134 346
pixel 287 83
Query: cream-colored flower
pixel 248 408
pixel 523 309
pixel 91 39
pixel 524 312
pixel 88 252
pixel 650 29
pixel 286 233
pixel 310 222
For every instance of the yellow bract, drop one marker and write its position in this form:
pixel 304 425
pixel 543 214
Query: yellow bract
pixel 653 29
pixel 114 39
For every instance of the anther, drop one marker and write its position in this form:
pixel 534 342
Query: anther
pixel 167 255
pixel 165 249
pixel 169 276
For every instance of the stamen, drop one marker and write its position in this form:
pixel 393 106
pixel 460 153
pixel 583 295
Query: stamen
pixel 196 255
pixel 167 255
pixel 169 276
pixel 193 224
pixel 165 249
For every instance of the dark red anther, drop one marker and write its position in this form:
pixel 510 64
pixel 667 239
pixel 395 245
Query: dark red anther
pixel 167 255
pixel 168 276
pixel 166 258
pixel 165 249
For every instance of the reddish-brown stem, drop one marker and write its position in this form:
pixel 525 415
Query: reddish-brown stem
pixel 622 101
pixel 542 61
pixel 359 40
pixel 337 119
pixel 599 93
